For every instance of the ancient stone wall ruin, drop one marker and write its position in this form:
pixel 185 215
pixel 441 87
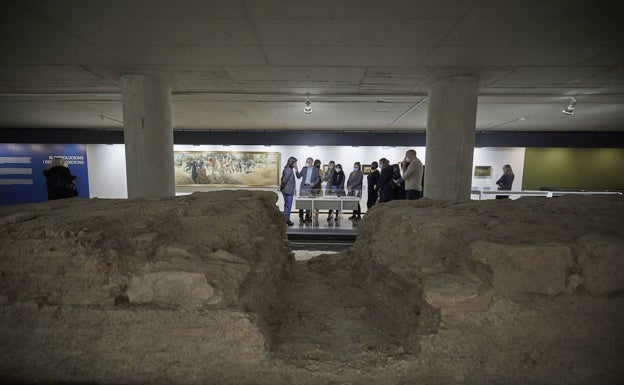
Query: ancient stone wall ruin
pixel 203 289
pixel 529 291
pixel 118 291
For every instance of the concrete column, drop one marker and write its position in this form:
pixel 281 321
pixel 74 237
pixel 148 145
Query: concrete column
pixel 148 137
pixel 451 126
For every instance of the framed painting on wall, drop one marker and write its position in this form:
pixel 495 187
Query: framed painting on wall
pixel 366 169
pixel 227 168
pixel 481 171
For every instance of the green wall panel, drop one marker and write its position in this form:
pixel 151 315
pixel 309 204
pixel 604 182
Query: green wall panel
pixel 574 168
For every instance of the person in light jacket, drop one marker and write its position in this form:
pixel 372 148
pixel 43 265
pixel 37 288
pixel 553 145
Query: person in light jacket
pixel 309 178
pixel 412 169
pixel 354 188
pixel 288 184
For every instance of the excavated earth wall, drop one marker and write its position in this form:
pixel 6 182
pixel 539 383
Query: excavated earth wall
pixel 528 291
pixel 203 289
pixel 134 291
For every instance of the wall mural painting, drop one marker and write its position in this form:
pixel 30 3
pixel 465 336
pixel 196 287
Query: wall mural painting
pixel 227 168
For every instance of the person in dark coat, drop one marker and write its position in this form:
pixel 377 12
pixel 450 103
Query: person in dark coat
pixel 288 184
pixel 385 185
pixel 372 179
pixel 328 175
pixel 337 187
pixel 398 190
pixel 194 173
pixel 505 181
pixel 59 180
pixel 354 187
pixel 316 189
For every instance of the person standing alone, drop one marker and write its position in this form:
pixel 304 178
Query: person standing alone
pixel 59 180
pixel 505 181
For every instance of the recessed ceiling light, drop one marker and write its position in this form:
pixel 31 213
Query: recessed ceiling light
pixel 569 110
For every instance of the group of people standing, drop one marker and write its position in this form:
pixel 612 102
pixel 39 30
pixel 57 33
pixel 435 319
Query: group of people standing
pixel 385 182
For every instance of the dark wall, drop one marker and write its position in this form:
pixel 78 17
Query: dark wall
pixel 320 138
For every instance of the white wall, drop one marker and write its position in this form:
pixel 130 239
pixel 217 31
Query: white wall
pixel 107 175
pixel 107 171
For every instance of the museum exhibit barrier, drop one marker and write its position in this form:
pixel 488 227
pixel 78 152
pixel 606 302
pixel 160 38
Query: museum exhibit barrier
pixel 325 200
pixel 541 193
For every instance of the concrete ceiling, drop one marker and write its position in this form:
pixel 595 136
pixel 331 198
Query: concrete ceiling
pixel 367 65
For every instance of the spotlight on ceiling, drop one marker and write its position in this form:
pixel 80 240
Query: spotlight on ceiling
pixel 307 108
pixel 569 110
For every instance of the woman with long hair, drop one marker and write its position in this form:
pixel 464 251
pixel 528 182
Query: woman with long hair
pixel 505 181
pixel 337 187
pixel 288 184
pixel 354 187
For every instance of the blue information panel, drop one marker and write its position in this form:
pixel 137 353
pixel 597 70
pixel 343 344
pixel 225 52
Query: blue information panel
pixel 22 165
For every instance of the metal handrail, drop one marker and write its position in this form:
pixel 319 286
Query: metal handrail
pixel 544 193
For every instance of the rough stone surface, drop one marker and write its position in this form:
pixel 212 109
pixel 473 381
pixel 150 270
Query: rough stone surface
pixel 525 269
pixel 453 293
pixel 203 289
pixel 510 280
pixel 171 288
pixel 139 291
pixel 601 260
pixel 129 345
